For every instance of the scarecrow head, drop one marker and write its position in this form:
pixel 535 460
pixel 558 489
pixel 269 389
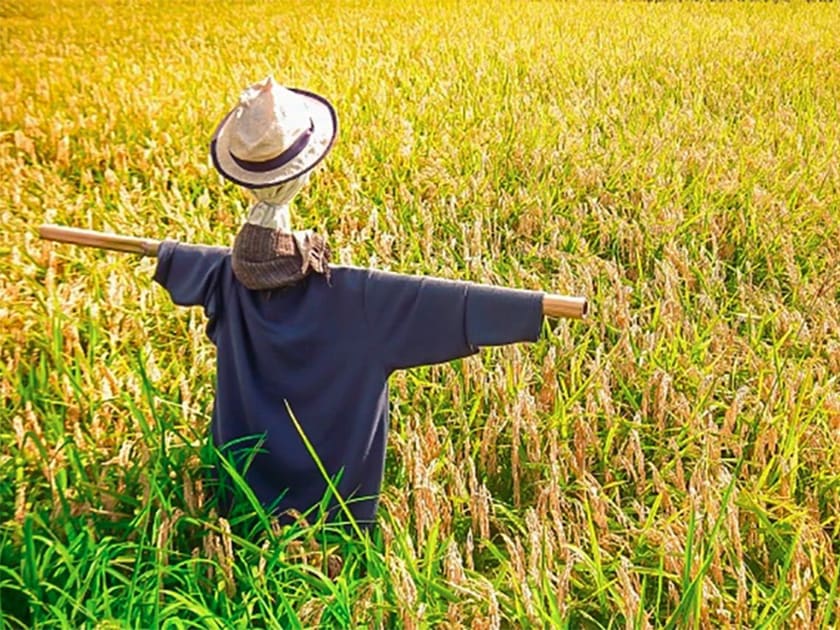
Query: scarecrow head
pixel 269 143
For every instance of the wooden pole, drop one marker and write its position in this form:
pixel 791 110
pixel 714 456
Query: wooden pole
pixel 554 305
pixel 570 306
pixel 102 240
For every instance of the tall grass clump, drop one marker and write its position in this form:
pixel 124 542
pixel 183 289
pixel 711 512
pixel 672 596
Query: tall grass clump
pixel 672 461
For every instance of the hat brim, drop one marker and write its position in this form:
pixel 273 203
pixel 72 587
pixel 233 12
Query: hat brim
pixel 324 130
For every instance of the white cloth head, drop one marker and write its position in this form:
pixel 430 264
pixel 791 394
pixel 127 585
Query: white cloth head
pixel 271 209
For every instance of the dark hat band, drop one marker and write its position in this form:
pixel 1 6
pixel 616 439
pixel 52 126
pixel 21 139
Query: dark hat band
pixel 284 158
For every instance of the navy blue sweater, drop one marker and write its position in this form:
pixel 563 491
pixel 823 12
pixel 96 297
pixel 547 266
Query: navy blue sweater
pixel 328 348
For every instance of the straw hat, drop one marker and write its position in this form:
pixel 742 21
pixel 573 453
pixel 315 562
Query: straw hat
pixel 273 135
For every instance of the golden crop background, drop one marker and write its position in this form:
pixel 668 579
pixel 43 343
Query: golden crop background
pixel 672 460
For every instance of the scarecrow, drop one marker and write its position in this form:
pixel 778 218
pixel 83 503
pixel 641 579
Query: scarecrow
pixel 301 341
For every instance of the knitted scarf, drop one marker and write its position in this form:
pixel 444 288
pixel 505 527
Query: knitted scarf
pixel 265 258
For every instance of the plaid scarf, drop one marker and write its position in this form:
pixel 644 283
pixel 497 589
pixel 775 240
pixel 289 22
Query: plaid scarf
pixel 264 258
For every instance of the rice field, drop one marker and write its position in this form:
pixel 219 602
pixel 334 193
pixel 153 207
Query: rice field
pixel 672 461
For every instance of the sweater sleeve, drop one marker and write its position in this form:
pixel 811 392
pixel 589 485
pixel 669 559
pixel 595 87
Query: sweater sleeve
pixel 419 320
pixel 190 274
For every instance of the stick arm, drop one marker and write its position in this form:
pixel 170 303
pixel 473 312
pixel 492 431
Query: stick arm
pixel 554 305
pixel 102 240
pixel 570 306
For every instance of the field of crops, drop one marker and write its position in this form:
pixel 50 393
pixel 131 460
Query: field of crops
pixel 671 461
